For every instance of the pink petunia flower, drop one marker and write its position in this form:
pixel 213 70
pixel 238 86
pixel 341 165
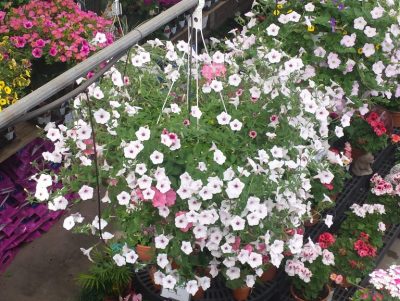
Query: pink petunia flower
pixel 37 52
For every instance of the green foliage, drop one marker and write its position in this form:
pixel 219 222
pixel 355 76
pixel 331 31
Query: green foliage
pixel 4 5
pixel 105 278
pixel 361 135
pixel 347 260
pixel 314 289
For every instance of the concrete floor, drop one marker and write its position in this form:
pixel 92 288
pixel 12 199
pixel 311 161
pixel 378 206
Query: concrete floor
pixel 45 270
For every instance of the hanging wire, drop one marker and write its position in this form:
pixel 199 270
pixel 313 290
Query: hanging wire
pixel 99 212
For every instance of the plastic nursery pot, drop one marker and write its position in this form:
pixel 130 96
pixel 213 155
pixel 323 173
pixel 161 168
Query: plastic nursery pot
pixel 269 274
pixel 199 294
pixel 145 253
pixel 241 293
pixel 296 297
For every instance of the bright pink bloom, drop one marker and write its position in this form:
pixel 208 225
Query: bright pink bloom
pixel 37 52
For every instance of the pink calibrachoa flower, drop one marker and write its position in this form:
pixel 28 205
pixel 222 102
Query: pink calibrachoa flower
pixel 53 51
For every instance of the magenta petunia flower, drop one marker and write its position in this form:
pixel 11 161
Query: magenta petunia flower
pixel 53 51
pixel 40 43
pixel 28 24
pixel 37 52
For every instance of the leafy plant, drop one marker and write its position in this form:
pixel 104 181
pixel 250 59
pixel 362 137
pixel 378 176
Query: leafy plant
pixel 361 134
pixel 105 279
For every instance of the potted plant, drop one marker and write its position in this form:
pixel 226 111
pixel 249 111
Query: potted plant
pixel 311 269
pixel 367 136
pixel 239 281
pixel 220 178
pixel 386 192
pixel 339 40
pixel 383 285
pixel 105 280
pixel 359 238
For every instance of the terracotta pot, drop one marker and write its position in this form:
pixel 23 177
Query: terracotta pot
pixel 345 283
pixel 241 293
pixel 269 274
pixel 395 118
pixel 357 153
pixel 174 265
pixel 152 271
pixel 297 298
pixel 334 197
pixel 199 295
pixel 145 253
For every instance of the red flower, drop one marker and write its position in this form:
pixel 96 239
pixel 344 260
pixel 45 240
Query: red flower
pixel 395 138
pixel 325 240
pixel 328 186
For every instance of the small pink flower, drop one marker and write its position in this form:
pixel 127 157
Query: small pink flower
pixel 53 51
pixel 2 15
pixel 37 52
pixel 40 43
pixel 253 134
pixel 28 24
pixel 239 92
pixel 248 248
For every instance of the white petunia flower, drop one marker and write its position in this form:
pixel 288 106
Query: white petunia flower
pixel 162 260
pixel 224 118
pixel 273 30
pixel 123 198
pixel 161 241
pixel 186 247
pixel 238 223
pixel 156 157
pixel 234 188
pixel 101 116
pixel 119 260
pixel 86 192
pixel 169 282
pixel 235 125
pixel 143 134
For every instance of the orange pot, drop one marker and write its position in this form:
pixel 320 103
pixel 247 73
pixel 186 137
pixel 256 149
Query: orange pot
pixel 395 118
pixel 297 298
pixel 241 293
pixel 145 253
pixel 199 295
pixel 357 153
pixel 345 283
pixel 269 274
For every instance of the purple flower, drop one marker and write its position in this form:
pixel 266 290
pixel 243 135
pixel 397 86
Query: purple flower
pixel 333 24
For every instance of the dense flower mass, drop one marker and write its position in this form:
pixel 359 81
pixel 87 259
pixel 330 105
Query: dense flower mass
pixel 387 280
pixel 226 167
pixel 56 30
